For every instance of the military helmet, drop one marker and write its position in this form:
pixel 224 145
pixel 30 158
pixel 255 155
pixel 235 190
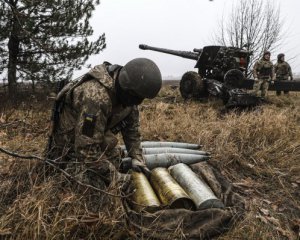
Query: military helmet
pixel 279 56
pixel 142 77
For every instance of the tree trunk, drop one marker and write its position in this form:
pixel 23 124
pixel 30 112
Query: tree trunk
pixel 13 48
pixel 33 86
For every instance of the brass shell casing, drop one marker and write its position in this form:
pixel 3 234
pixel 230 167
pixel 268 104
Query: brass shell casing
pixel 168 190
pixel 144 197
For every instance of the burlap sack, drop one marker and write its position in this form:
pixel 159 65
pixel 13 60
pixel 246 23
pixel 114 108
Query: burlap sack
pixel 186 224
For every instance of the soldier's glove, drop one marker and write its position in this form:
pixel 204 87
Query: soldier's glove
pixel 139 166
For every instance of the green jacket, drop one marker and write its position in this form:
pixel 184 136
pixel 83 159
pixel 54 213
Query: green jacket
pixel 283 71
pixel 91 116
pixel 263 69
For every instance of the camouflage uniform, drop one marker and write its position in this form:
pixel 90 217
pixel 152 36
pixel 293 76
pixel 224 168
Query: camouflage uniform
pixel 88 122
pixel 283 71
pixel 263 71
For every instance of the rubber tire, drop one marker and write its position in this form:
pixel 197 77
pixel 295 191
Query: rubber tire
pixel 234 78
pixel 192 86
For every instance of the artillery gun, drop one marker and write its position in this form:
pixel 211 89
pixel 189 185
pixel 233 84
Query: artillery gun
pixel 221 73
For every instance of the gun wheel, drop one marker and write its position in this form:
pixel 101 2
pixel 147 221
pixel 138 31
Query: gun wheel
pixel 234 78
pixel 192 86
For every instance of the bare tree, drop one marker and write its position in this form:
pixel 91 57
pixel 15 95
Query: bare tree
pixel 254 25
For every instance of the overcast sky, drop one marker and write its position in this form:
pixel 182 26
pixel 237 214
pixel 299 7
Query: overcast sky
pixel 174 24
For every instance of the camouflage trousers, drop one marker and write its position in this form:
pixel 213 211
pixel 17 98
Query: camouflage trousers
pixel 278 93
pixel 261 85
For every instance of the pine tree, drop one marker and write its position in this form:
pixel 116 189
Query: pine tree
pixel 45 40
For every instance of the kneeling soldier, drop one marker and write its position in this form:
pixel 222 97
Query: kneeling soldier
pixel 94 109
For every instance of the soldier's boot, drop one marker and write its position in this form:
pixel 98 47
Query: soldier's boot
pixel 98 177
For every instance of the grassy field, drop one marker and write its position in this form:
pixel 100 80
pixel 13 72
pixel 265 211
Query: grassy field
pixel 258 151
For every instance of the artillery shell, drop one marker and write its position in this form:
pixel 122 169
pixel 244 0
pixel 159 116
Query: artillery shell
pixel 165 160
pixel 157 144
pixel 148 151
pixel 198 190
pixel 153 144
pixel 168 190
pixel 168 159
pixel 144 197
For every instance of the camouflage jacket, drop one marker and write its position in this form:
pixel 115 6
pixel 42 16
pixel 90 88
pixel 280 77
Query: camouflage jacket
pixel 91 116
pixel 263 69
pixel 283 71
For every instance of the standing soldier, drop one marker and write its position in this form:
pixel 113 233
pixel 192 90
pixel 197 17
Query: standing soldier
pixel 103 103
pixel 263 72
pixel 283 71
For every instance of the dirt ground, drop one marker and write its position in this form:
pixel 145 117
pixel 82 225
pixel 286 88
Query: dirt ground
pixel 257 150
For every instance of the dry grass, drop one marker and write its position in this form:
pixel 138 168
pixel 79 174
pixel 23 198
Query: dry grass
pixel 258 151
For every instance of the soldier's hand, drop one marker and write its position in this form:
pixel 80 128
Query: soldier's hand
pixel 272 81
pixel 256 79
pixel 139 166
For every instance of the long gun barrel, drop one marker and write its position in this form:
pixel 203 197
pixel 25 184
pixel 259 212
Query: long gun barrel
pixel 184 54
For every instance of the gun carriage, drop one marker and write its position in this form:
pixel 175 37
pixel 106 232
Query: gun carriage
pixel 221 73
